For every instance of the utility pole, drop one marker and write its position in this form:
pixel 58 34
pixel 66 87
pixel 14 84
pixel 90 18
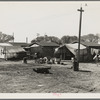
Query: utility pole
pixel 80 23
pixel 26 39
pixel 13 37
pixel 38 35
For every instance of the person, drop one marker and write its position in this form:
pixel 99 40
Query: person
pixel 35 57
pixel 45 59
pixel 96 58
pixel 72 59
pixel 25 60
pixel 75 65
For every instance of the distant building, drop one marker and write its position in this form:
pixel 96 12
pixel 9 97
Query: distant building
pixel 21 44
pixel 92 49
pixel 43 48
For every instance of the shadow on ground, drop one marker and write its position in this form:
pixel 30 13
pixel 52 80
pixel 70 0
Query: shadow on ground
pixel 42 71
pixel 84 71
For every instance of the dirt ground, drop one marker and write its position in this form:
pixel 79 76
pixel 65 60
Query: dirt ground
pixel 16 77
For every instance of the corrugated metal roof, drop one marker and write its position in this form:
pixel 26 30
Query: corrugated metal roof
pixel 21 44
pixel 88 44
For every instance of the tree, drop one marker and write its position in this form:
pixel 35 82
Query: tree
pixel 47 38
pixel 90 38
pixel 55 39
pixel 38 39
pixel 68 39
pixel 5 37
pixel 65 39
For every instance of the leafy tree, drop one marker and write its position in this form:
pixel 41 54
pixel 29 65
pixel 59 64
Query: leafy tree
pixel 38 39
pixel 55 39
pixel 68 39
pixel 65 39
pixel 90 38
pixel 47 38
pixel 5 37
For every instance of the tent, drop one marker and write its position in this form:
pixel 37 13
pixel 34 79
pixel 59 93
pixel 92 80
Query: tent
pixel 12 52
pixel 67 51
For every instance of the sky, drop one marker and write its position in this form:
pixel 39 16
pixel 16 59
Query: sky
pixel 52 18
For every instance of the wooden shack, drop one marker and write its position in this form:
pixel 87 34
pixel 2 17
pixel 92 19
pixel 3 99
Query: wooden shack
pixel 43 48
pixel 92 49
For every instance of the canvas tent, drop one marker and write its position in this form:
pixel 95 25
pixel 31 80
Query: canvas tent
pixel 67 51
pixel 15 52
pixel 7 51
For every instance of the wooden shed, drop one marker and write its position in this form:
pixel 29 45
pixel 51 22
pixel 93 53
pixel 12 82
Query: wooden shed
pixel 43 48
pixel 92 49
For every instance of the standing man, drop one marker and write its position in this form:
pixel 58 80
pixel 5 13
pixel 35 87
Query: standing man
pixel 35 57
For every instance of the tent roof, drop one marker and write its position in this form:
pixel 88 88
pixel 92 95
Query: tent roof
pixel 14 49
pixel 5 44
pixel 73 47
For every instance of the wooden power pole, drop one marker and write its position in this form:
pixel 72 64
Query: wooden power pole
pixel 13 37
pixel 80 23
pixel 26 39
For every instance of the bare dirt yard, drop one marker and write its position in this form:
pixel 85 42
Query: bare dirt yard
pixel 16 77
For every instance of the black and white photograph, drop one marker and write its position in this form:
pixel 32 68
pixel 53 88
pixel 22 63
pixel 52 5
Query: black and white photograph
pixel 50 47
